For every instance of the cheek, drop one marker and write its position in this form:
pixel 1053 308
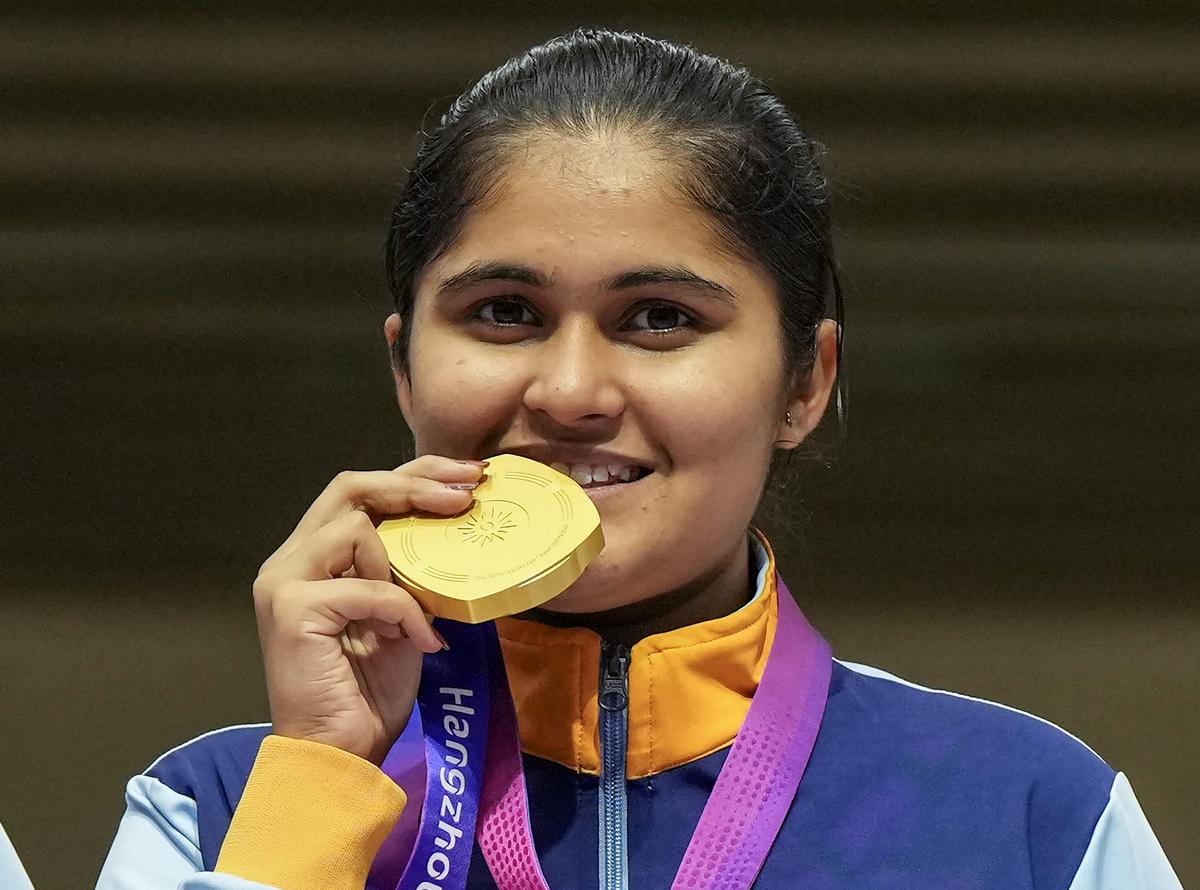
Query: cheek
pixel 716 422
pixel 459 394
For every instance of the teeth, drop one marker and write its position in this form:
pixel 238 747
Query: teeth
pixel 587 474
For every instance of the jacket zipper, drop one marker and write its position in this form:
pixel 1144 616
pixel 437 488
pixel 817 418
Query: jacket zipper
pixel 614 735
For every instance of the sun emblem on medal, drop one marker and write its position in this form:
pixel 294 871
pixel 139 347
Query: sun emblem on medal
pixel 488 525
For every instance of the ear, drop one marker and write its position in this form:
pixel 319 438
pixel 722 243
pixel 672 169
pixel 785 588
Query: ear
pixel 810 395
pixel 391 329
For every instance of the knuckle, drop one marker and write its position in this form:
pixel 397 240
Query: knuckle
pixel 282 598
pixel 404 478
pixel 420 486
pixel 264 591
pixel 408 604
pixel 345 482
pixel 265 567
pixel 360 522
pixel 424 466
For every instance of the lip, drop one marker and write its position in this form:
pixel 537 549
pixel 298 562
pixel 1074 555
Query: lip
pixel 575 454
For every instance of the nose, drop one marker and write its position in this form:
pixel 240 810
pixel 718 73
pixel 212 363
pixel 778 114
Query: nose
pixel 575 376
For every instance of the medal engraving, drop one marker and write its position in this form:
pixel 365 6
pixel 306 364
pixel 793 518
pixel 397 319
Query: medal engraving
pixel 531 532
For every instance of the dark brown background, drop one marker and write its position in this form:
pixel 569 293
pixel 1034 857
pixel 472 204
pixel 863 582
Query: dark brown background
pixel 191 213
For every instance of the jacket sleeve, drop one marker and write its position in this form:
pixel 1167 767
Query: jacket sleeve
pixel 12 873
pixel 311 816
pixel 1123 853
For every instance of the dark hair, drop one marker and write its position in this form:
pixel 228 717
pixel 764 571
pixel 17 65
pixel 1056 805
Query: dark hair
pixel 740 153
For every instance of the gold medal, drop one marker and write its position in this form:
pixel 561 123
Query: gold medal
pixel 531 532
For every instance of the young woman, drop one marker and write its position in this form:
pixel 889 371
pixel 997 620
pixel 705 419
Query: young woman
pixel 613 255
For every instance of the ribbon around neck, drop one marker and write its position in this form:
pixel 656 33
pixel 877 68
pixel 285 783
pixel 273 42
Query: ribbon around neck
pixel 468 717
pixel 454 701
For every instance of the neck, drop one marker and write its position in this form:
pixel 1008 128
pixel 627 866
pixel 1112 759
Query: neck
pixel 719 592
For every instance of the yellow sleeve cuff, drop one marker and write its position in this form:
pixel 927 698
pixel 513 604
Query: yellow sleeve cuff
pixel 312 817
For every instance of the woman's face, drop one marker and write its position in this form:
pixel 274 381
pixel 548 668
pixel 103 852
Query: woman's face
pixel 589 318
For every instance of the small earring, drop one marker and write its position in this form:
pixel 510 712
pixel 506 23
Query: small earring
pixel 788 418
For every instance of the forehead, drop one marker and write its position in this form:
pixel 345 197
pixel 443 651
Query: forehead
pixel 612 164
pixel 583 209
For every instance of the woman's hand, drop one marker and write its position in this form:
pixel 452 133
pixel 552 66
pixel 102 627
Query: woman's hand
pixel 341 641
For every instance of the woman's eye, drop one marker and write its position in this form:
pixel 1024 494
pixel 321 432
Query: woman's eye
pixel 660 319
pixel 505 313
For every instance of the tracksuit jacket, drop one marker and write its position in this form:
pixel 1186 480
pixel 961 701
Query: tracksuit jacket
pixel 12 873
pixel 908 788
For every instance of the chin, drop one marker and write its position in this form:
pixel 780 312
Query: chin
pixel 596 590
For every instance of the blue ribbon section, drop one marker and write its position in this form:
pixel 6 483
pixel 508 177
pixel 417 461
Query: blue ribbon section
pixel 455 705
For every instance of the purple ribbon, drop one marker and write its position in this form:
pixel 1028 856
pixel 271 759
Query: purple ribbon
pixel 454 704
pixel 753 792
pixel 762 773
pixel 740 821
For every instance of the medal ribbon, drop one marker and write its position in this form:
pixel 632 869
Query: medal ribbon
pixel 454 703
pixel 738 825
pixel 749 801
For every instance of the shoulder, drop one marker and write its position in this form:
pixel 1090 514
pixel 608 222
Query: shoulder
pixel 999 748
pixel 973 773
pixel 940 723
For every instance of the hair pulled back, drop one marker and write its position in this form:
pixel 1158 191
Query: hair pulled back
pixel 741 156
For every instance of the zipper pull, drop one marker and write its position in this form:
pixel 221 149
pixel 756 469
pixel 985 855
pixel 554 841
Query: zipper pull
pixel 614 678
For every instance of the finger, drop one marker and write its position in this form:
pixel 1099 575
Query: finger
pixel 350 543
pixel 395 496
pixel 332 605
pixel 389 631
pixel 434 465
pixel 387 492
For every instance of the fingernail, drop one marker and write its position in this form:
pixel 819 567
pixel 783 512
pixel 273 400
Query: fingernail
pixel 441 639
pixel 461 486
pixel 473 463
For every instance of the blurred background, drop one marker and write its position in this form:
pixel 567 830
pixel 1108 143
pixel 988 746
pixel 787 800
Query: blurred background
pixel 192 209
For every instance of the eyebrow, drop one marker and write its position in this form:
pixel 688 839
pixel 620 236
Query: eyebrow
pixel 478 273
pixel 677 275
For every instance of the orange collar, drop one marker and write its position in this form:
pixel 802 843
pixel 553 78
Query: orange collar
pixel 689 689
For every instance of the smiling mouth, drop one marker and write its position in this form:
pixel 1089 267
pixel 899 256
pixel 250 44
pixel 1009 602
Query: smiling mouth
pixel 590 476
